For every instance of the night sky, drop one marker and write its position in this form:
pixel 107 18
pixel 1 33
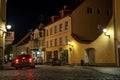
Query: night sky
pixel 27 14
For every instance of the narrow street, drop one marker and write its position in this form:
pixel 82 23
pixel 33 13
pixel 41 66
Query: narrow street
pixel 48 72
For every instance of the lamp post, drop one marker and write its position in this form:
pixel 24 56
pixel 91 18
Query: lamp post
pixel 3 31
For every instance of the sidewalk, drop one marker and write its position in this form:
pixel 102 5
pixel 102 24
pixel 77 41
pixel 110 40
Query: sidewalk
pixel 7 66
pixel 108 70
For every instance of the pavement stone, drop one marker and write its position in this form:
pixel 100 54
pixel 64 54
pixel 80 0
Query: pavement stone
pixel 108 70
pixel 49 72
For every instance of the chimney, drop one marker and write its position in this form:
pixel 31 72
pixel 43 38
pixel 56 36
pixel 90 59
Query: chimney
pixel 65 7
pixel 64 11
pixel 54 18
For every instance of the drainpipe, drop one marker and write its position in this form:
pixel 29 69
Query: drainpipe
pixel 115 33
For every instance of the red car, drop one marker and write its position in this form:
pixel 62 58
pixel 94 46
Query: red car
pixel 24 60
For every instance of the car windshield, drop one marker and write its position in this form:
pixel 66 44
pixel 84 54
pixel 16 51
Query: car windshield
pixel 26 56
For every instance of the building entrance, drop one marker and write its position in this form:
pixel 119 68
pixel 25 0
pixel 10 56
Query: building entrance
pixel 64 56
pixel 90 56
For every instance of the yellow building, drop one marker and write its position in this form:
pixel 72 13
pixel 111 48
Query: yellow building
pixel 57 35
pixel 91 47
pixel 2 28
pixel 116 20
pixel 88 44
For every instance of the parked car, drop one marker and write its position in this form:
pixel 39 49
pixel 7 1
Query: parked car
pixel 24 60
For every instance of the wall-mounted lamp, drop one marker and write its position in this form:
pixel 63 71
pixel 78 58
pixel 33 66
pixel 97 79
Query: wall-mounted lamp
pixel 8 27
pixel 106 32
pixel 70 43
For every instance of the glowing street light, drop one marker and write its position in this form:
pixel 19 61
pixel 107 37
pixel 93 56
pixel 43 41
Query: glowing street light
pixel 8 27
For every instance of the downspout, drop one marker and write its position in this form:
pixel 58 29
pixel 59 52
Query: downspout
pixel 115 33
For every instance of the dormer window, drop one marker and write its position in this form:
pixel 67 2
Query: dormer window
pixel 108 12
pixel 89 10
pixel 98 11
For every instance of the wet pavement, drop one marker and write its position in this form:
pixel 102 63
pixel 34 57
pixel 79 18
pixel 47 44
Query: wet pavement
pixel 48 72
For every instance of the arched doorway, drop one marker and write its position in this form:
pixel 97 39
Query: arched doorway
pixel 90 56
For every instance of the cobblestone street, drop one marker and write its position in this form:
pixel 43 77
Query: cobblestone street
pixel 45 72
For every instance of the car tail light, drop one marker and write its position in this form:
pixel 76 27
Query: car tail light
pixel 23 57
pixel 30 60
pixel 16 61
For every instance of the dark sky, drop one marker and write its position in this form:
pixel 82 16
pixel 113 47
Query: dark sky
pixel 27 14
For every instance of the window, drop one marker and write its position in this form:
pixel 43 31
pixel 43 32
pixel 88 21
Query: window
pixel 40 33
pixel 60 28
pixel 55 42
pixel 49 55
pixel 98 11
pixel 108 12
pixel 60 40
pixel 47 44
pixel 66 39
pixel 66 25
pixel 47 32
pixel 55 29
pixel 50 31
pixel 43 42
pixel 50 43
pixel 89 10
pixel 40 41
pixel 8 34
pixel 36 43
